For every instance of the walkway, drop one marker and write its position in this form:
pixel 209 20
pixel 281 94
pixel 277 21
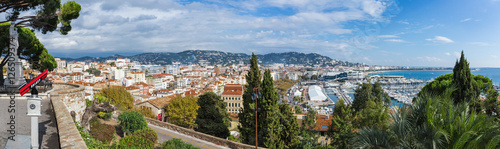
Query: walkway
pixel 48 136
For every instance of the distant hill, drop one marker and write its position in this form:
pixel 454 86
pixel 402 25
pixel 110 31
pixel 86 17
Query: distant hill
pixel 224 58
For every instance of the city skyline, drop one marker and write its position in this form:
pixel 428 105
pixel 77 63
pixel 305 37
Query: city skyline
pixel 399 33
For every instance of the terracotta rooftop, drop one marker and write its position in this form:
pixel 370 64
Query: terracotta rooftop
pixel 161 102
pixel 233 89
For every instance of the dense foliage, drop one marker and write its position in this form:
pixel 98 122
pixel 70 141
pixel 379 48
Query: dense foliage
pixel 118 97
pixel 341 130
pixel 282 85
pixel 468 88
pixel 131 121
pixel 289 136
pixel 30 49
pixel 176 143
pixel 93 71
pixel 147 134
pixel 434 122
pixel 182 111
pixel 135 142
pixel 212 117
pixel 90 142
pixel 309 138
pixel 247 117
pixel 371 106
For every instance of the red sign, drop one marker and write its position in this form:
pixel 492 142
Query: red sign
pixel 159 117
pixel 23 89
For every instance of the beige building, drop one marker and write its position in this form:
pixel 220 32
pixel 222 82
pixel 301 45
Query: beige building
pixel 233 96
pixel 137 76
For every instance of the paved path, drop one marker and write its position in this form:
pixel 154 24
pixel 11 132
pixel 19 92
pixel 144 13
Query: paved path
pixel 48 136
pixel 166 134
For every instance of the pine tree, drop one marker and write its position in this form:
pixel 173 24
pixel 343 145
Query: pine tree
pixel 309 138
pixel 247 117
pixel 341 129
pixel 289 137
pixel 268 116
pixel 212 116
pixel 466 88
pixel 361 96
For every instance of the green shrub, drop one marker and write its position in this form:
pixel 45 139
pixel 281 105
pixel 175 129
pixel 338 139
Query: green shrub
pixel 131 121
pixel 101 98
pixel 102 132
pixel 177 143
pixel 108 116
pixel 101 114
pixel 232 138
pixel 148 134
pixel 88 102
pixel 134 142
pixel 90 142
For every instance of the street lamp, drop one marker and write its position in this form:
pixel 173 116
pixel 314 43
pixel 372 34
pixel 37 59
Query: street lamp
pixel 255 96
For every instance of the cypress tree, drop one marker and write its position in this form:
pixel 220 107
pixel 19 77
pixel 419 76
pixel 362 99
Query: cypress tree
pixel 289 137
pixel 466 88
pixel 247 117
pixel 268 116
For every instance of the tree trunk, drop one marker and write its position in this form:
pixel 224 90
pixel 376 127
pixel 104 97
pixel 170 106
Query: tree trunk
pixel 92 111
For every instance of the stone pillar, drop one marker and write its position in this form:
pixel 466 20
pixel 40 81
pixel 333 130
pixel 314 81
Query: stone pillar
pixel 14 64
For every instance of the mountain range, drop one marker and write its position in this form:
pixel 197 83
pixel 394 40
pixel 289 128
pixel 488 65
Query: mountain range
pixel 224 58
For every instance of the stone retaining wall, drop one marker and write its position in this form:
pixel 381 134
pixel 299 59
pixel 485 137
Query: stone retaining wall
pixel 65 98
pixel 72 95
pixel 69 136
pixel 199 135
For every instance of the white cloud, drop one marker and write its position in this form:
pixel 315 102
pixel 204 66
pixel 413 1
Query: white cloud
pixel 465 20
pixel 440 39
pixel 494 56
pixel 122 26
pixel 457 54
pixel 394 40
pixel 387 36
pixel 447 53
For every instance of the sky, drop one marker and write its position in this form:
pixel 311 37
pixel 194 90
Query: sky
pixel 374 32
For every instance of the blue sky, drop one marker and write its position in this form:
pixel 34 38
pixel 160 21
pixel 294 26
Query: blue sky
pixel 375 32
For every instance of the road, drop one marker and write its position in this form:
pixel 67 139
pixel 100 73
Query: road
pixel 166 134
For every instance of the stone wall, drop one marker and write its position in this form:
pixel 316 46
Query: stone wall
pixel 69 137
pixel 71 95
pixel 199 135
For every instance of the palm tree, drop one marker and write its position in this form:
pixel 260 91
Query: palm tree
pixel 433 122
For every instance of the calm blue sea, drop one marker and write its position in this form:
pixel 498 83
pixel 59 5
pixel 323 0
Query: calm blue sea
pixel 492 73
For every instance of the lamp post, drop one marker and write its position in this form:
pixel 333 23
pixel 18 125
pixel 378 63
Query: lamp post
pixel 255 97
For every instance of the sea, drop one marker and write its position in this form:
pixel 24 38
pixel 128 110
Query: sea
pixel 492 73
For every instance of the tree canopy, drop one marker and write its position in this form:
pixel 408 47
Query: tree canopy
pixel 212 117
pixel 119 97
pixel 182 111
pixel 50 14
pixel 467 87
